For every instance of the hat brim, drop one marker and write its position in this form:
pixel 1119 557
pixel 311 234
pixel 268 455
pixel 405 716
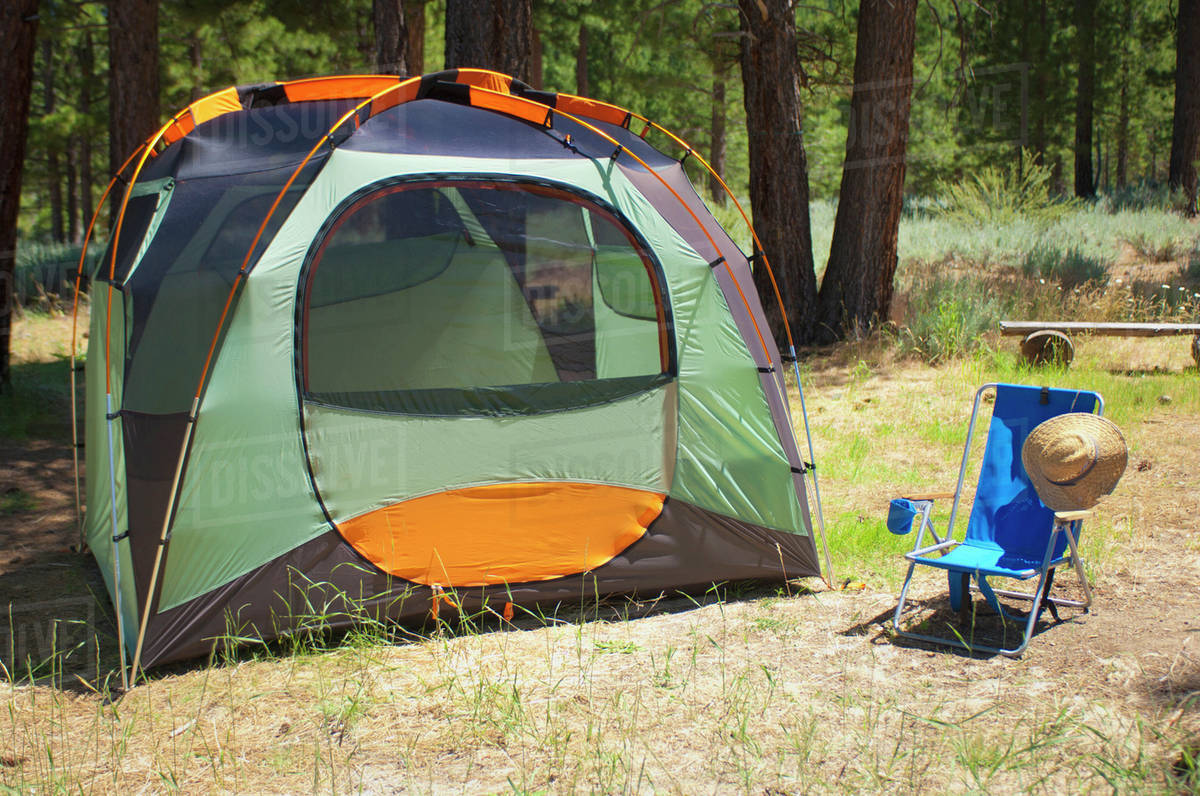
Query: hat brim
pixel 1112 455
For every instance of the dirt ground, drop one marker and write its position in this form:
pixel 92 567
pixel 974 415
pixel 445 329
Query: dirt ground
pixel 1138 648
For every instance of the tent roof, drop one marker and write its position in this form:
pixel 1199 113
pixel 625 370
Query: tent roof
pixel 376 93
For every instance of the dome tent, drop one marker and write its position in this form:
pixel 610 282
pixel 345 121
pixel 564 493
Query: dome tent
pixel 358 342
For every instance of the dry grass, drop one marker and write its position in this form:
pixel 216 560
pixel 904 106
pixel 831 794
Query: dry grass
pixel 760 692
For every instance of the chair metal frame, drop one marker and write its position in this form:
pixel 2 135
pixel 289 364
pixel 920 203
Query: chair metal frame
pixel 1065 522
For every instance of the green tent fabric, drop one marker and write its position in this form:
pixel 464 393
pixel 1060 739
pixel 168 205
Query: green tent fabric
pixel 463 334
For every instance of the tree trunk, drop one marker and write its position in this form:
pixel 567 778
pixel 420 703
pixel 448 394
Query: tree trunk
pixel 778 165
pixel 74 230
pixel 196 51
pixel 53 170
pixel 1085 95
pixel 856 292
pixel 537 73
pixel 87 68
pixel 716 148
pixel 1123 136
pixel 391 37
pixel 1123 111
pixel 132 76
pixel 1185 133
pixel 414 23
pixel 490 34
pixel 581 62
pixel 18 31
pixel 1041 78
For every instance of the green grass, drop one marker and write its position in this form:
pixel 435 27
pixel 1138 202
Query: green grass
pixel 1071 268
pixel 38 405
pixel 879 460
pixel 16 501
pixel 1089 230
pixel 745 691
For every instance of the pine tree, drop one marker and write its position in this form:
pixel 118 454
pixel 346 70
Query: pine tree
pixel 856 291
pixel 18 31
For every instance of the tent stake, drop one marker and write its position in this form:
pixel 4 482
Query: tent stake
pixel 812 458
pixel 162 537
pixel 116 550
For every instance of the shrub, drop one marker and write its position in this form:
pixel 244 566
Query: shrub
pixel 995 195
pixel 948 315
pixel 1157 251
pixel 1071 268
pixel 47 269
pixel 1140 195
pixel 1191 263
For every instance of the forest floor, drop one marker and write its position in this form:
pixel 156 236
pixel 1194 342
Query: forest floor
pixel 790 689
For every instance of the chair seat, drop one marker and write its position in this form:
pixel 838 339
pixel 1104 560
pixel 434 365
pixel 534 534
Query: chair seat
pixel 986 560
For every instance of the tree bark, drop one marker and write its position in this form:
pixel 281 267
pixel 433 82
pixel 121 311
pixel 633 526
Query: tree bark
pixel 87 68
pixel 18 31
pixel 537 73
pixel 391 37
pixel 581 62
pixel 74 230
pixel 1123 136
pixel 132 76
pixel 856 292
pixel 1185 132
pixel 1123 110
pixel 490 34
pixel 196 51
pixel 53 170
pixel 414 23
pixel 1041 68
pixel 778 164
pixel 717 138
pixel 1085 95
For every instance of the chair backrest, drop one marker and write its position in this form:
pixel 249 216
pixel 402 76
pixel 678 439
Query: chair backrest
pixel 1007 512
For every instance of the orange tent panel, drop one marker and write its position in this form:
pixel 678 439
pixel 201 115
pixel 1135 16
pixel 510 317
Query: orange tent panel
pixel 215 105
pixel 513 106
pixel 503 533
pixel 347 87
pixel 591 109
pixel 484 78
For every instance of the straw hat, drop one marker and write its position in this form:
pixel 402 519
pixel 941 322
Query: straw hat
pixel 1074 459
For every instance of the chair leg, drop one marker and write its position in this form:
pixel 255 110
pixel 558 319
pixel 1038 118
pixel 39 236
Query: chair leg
pixel 1034 611
pixel 1046 602
pixel 903 595
pixel 960 589
pixel 985 589
pixel 1077 562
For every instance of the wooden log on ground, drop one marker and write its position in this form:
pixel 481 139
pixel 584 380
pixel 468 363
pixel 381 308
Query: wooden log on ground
pixel 1117 329
pixel 1047 341
pixel 1048 347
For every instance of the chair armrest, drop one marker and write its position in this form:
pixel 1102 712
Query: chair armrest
pixel 928 496
pixel 933 548
pixel 1071 516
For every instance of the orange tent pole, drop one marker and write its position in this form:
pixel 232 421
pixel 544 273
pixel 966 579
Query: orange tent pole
pixel 146 151
pixel 786 327
pixel 74 345
pixel 194 411
pixel 782 310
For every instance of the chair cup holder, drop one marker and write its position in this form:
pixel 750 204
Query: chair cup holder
pixel 900 517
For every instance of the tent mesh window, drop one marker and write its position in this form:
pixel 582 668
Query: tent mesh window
pixel 455 297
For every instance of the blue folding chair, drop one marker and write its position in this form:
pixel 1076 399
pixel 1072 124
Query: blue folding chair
pixel 1010 533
